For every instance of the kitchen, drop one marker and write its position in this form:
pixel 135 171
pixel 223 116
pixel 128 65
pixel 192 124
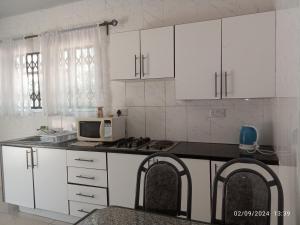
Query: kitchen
pixel 196 110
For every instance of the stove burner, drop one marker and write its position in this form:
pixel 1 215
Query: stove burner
pixel 132 143
pixel 159 146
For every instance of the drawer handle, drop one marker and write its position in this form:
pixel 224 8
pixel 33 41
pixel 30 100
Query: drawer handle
pixel 83 195
pixel 82 210
pixel 85 177
pixel 85 160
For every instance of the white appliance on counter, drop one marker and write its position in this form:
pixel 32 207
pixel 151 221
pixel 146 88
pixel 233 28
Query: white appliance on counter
pixel 107 129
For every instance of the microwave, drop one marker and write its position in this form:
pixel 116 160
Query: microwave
pixel 101 129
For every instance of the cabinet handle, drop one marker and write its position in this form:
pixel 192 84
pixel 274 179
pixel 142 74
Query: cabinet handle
pixel 84 160
pixel 226 93
pixel 135 59
pixel 83 211
pixel 87 196
pixel 27 164
pixel 216 84
pixel 35 151
pixel 85 177
pixel 143 65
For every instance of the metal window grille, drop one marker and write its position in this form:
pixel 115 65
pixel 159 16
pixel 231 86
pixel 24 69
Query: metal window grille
pixel 33 71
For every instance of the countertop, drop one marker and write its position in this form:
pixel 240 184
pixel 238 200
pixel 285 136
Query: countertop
pixel 193 150
pixel 124 216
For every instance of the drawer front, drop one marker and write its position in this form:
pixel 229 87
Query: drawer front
pixel 81 209
pixel 85 194
pixel 87 176
pixel 93 160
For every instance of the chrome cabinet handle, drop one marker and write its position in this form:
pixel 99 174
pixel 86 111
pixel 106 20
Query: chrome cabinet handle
pixel 216 84
pixel 135 72
pixel 27 164
pixel 143 65
pixel 83 211
pixel 85 177
pixel 87 196
pixel 84 160
pixel 35 151
pixel 226 93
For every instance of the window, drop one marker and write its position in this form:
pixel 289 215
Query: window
pixel 33 73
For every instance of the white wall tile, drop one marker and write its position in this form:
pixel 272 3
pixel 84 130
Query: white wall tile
pixel 136 122
pixel 118 93
pixel 135 93
pixel 176 123
pixel 156 122
pixel 198 123
pixel 155 93
pixel 171 95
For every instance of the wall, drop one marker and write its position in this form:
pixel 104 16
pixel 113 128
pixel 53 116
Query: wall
pixel 286 105
pixel 153 110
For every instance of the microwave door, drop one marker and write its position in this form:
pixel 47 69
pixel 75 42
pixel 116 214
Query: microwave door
pixel 90 129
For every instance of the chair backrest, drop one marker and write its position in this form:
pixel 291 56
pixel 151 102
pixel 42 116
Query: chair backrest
pixel 163 185
pixel 246 194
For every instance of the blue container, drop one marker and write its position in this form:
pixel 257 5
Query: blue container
pixel 248 137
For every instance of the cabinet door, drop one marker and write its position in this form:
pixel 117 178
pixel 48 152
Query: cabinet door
pixel 125 55
pixel 17 174
pixel 198 60
pixel 200 173
pixel 249 56
pixel 122 176
pixel 157 49
pixel 50 179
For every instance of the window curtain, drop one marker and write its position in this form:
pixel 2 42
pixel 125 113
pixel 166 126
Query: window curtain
pixel 75 72
pixel 14 83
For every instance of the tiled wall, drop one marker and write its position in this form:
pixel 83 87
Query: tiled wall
pixel 153 111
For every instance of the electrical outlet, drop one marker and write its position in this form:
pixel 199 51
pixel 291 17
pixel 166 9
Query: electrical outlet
pixel 217 113
pixel 123 110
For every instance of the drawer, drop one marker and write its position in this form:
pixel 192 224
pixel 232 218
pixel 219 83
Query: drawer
pixel 87 176
pixel 93 160
pixel 81 209
pixel 85 194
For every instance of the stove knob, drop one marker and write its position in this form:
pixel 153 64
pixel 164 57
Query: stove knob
pixel 130 145
pixel 148 147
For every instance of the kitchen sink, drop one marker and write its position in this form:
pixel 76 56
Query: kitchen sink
pixel 32 139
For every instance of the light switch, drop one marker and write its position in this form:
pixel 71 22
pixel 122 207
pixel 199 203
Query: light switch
pixel 217 113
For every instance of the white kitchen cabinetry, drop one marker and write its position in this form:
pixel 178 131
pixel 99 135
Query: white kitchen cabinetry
pixel 242 47
pixel 198 60
pixel 122 176
pixel 200 173
pixel 142 54
pixel 50 179
pixel 17 174
pixel 157 53
pixel 125 55
pixel 248 56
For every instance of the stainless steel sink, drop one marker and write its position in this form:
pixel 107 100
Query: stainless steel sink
pixel 32 139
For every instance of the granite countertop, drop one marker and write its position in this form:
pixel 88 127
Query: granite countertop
pixel 124 216
pixel 193 150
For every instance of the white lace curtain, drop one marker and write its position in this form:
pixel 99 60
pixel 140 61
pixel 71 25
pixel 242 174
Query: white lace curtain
pixel 75 71
pixel 14 83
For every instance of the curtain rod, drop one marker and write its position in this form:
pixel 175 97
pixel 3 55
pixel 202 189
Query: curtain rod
pixel 106 24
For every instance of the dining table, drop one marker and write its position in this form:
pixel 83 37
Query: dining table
pixel 115 215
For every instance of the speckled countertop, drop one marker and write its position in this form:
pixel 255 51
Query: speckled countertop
pixel 193 150
pixel 124 216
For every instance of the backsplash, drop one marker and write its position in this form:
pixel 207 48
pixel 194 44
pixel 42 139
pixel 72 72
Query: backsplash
pixel 154 111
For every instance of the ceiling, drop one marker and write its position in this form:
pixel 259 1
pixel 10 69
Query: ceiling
pixel 16 7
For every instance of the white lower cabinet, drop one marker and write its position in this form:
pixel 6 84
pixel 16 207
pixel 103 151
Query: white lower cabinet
pixel 50 179
pixel 200 173
pixel 81 209
pixel 17 176
pixel 122 175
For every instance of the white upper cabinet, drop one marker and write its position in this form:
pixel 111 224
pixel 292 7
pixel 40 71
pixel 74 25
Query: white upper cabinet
pixel 157 53
pixel 198 60
pixel 125 55
pixel 248 54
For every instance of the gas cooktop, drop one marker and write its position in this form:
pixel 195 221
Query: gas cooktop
pixel 143 144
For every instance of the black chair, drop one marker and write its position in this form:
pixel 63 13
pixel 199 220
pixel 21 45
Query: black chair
pixel 163 185
pixel 246 194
